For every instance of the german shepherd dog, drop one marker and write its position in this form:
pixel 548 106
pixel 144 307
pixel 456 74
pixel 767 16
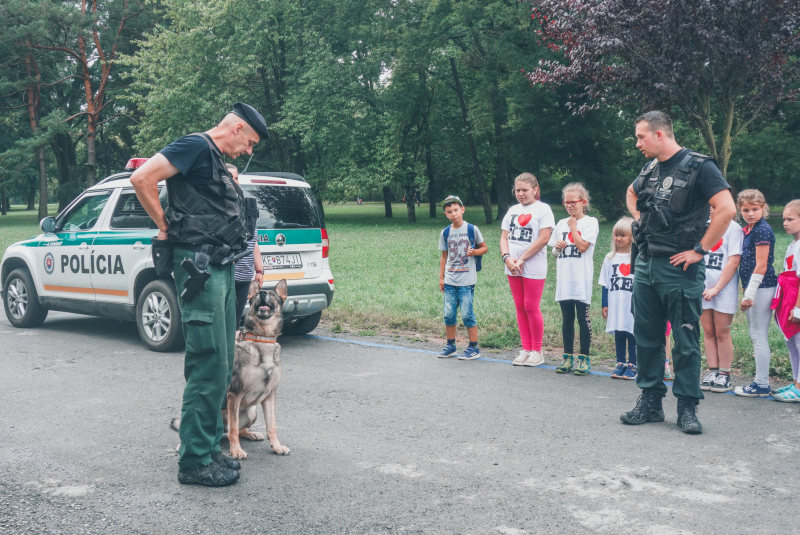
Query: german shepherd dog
pixel 256 370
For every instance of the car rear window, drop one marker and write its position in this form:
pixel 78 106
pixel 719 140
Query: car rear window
pixel 285 207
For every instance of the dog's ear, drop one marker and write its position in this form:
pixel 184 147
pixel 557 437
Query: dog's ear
pixel 280 289
pixel 254 288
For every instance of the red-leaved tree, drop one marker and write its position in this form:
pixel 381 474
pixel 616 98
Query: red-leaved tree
pixel 722 62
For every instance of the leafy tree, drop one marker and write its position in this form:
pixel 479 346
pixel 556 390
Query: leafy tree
pixel 722 63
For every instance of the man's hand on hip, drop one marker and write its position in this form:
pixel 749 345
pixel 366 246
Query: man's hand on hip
pixel 686 258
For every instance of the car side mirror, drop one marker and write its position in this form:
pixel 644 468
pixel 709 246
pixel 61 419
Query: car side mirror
pixel 48 224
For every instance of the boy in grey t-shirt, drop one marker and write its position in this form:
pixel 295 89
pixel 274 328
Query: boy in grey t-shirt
pixel 457 276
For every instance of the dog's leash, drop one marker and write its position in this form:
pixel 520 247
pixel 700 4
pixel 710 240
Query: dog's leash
pixel 244 337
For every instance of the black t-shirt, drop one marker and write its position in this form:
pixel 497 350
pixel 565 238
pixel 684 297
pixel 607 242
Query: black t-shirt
pixel 709 180
pixel 192 156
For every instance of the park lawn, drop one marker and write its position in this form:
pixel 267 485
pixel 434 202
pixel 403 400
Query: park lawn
pixel 387 277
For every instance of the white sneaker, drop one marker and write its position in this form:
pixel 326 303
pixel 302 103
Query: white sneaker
pixel 536 358
pixel 521 358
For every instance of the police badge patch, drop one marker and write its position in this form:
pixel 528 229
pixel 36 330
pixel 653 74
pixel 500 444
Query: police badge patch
pixel 667 183
pixel 49 263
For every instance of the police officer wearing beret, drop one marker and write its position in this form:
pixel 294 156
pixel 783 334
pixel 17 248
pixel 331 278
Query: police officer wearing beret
pixel 670 202
pixel 206 227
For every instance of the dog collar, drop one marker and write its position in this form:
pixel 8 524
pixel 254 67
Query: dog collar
pixel 257 338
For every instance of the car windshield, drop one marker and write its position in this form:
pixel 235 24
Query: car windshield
pixel 83 215
pixel 285 207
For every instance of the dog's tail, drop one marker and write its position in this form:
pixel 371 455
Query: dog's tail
pixel 175 424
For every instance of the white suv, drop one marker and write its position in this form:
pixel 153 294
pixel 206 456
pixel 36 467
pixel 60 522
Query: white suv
pixel 94 258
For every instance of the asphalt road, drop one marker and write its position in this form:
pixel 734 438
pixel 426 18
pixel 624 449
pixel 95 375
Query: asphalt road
pixel 383 440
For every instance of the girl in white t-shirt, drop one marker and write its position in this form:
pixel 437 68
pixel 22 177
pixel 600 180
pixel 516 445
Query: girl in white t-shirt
pixel 526 230
pixel 617 282
pixel 573 244
pixel 720 301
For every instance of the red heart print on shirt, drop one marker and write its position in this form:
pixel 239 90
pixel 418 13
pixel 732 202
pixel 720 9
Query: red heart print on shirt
pixel 524 219
pixel 625 269
pixel 717 246
pixel 790 262
pixel 569 236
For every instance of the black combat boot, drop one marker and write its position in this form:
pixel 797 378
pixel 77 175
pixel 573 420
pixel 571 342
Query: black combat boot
pixel 647 409
pixel 687 417
pixel 211 475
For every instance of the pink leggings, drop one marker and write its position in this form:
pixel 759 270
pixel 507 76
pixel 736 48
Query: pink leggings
pixel 527 295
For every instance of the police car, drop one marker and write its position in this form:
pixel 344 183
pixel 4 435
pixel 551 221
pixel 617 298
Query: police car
pixel 94 258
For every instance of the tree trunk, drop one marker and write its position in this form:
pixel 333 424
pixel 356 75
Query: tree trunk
pixel 432 197
pixel 3 209
pixel 31 195
pixel 42 185
pixel 91 154
pixel 64 150
pixel 411 205
pixel 501 172
pixel 485 197
pixel 387 201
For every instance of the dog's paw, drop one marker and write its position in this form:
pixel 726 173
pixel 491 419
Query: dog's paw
pixel 238 453
pixel 251 435
pixel 281 450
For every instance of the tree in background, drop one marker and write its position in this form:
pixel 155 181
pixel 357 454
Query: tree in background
pixel 723 64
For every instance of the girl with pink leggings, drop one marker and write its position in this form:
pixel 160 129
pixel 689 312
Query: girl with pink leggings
pixel 526 231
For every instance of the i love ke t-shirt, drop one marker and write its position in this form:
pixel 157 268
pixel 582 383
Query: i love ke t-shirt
pixel 523 223
pixel 616 276
pixel 575 269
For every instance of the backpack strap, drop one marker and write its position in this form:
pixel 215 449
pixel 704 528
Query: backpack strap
pixel 471 234
pixel 447 233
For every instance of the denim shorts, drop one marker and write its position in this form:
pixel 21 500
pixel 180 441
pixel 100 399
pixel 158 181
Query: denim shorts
pixel 455 297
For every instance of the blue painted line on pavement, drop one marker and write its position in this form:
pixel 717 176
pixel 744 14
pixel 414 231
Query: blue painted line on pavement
pixel 426 352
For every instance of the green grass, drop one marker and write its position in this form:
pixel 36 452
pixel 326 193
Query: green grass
pixel 386 273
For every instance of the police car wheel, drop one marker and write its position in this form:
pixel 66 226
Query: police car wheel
pixel 158 317
pixel 21 300
pixel 303 325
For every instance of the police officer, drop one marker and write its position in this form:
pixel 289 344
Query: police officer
pixel 205 225
pixel 670 202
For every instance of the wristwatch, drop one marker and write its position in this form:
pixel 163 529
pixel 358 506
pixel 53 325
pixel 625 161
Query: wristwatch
pixel 698 248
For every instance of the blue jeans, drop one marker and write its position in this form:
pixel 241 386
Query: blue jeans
pixel 455 297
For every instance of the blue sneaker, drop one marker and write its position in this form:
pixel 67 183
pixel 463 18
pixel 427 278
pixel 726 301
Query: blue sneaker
pixel 630 372
pixel 471 353
pixel 753 391
pixel 790 395
pixel 619 371
pixel 448 351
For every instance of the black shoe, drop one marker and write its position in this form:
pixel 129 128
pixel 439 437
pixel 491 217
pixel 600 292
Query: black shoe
pixel 211 475
pixel 687 417
pixel 647 409
pixel 227 462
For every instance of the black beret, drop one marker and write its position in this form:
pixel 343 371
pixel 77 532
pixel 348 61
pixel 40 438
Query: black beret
pixel 252 117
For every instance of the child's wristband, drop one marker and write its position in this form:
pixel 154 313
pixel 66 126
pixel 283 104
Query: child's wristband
pixel 506 256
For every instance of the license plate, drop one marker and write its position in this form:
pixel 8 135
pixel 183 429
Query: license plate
pixel 282 261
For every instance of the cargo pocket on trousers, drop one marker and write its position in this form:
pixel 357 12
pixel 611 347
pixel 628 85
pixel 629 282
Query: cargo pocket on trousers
pixel 691 305
pixel 198 329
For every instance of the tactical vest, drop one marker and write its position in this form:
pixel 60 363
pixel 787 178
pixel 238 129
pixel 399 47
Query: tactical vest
pixel 669 222
pixel 215 214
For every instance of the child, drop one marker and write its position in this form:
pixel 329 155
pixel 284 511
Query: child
pixel 617 282
pixel 526 230
pixel 719 305
pixel 460 243
pixel 787 301
pixel 759 282
pixel 573 244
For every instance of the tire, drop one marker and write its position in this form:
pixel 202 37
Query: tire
pixel 158 317
pixel 21 301
pixel 303 325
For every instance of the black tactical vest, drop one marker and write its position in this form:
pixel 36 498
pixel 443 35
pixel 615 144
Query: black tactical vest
pixel 670 223
pixel 215 213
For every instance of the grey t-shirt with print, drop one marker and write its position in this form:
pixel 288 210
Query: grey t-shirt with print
pixel 460 269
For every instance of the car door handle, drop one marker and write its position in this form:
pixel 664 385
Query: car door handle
pixel 138 246
pixel 83 246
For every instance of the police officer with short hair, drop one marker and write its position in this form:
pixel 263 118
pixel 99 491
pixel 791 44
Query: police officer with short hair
pixel 670 202
pixel 206 224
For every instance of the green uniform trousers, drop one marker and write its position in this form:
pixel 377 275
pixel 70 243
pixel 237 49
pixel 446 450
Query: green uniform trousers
pixel 664 292
pixel 209 326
